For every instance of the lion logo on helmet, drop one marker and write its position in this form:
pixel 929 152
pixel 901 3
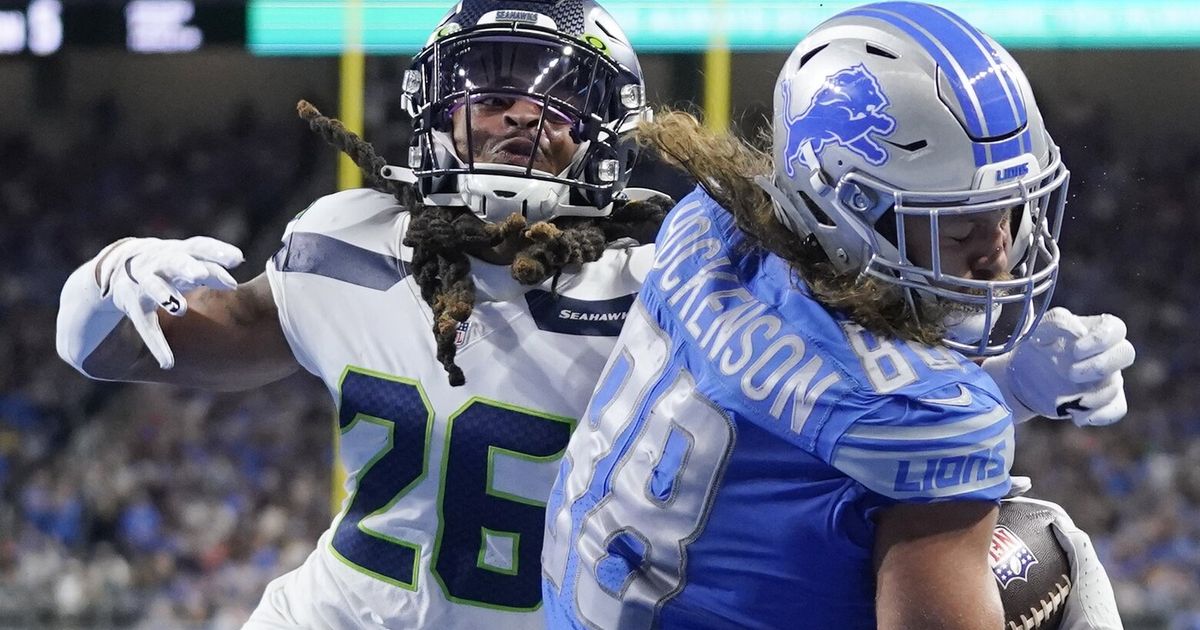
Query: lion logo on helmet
pixel 847 110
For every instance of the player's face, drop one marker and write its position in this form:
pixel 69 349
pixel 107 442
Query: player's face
pixel 503 132
pixel 973 246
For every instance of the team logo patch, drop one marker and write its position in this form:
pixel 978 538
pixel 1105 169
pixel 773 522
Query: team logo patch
pixel 461 333
pixel 1009 556
pixel 571 316
pixel 848 110
pixel 1012 172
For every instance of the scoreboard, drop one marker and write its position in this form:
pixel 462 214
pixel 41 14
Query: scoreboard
pixel 44 27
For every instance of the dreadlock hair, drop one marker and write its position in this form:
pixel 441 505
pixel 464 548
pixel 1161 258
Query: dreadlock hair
pixel 726 166
pixel 441 236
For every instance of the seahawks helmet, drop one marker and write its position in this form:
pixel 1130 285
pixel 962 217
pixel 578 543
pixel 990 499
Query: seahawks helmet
pixel 567 56
pixel 902 109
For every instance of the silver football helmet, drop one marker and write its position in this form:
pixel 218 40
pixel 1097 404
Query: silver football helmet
pixel 570 58
pixel 901 109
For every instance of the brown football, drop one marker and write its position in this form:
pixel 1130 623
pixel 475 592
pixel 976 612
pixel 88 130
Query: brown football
pixel 1031 568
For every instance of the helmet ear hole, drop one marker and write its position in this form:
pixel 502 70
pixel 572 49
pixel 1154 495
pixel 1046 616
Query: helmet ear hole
pixel 816 210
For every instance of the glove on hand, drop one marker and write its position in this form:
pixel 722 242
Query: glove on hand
pixel 1090 604
pixel 142 275
pixel 1069 368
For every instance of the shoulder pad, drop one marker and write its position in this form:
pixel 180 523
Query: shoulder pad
pixel 345 209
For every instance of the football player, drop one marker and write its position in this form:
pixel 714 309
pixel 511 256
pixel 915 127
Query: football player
pixel 510 235
pixel 792 431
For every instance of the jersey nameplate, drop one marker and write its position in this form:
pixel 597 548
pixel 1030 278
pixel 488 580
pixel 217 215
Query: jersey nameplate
pixel 745 339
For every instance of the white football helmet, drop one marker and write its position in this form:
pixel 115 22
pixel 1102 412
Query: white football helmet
pixel 567 56
pixel 902 109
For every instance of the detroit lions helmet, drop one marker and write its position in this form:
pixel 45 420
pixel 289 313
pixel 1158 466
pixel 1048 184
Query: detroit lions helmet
pixel 567 56
pixel 901 109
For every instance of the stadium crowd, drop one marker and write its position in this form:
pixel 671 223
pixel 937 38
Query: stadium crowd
pixel 157 507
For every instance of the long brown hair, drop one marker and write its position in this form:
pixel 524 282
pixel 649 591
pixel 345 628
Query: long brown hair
pixel 726 165
pixel 441 235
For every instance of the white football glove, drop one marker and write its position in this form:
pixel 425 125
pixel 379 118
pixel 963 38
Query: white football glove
pixel 1069 368
pixel 1091 604
pixel 142 275
pixel 1020 485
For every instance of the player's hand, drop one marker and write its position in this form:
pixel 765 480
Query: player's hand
pixel 1070 368
pixel 1090 604
pixel 145 274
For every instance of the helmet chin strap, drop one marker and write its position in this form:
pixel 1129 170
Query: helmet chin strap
pixel 552 197
pixel 970 327
pixel 493 197
pixel 496 195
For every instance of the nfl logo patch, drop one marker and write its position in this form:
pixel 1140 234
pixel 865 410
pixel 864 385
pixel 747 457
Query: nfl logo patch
pixel 1009 556
pixel 460 334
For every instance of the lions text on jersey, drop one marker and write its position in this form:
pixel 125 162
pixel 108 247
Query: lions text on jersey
pixel 442 526
pixel 727 469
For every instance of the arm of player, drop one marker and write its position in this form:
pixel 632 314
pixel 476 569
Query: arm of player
pixel 168 311
pixel 931 567
pixel 1069 368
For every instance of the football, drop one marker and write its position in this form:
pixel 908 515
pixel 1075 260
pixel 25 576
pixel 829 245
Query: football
pixel 1031 568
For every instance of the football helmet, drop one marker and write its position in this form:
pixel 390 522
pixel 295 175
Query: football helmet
pixel 901 109
pixel 571 59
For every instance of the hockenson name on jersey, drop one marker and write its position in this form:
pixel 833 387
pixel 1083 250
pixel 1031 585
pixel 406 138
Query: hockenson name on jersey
pixel 739 335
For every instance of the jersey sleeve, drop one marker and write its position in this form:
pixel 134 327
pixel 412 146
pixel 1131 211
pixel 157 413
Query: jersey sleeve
pixel 955 442
pixel 336 236
pixel 279 292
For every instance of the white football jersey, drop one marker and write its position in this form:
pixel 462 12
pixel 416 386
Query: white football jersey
pixel 442 526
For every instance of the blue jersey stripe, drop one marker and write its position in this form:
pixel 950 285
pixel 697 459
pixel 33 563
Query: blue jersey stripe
pixel 909 437
pixel 891 432
pixel 955 440
pixel 886 448
pixel 318 254
pixel 980 83
pixel 933 449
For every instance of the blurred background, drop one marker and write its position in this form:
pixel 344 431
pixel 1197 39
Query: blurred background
pixel 157 507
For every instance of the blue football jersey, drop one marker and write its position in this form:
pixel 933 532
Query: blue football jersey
pixel 729 464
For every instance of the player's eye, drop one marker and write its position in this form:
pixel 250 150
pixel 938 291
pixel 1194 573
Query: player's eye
pixel 956 231
pixel 492 102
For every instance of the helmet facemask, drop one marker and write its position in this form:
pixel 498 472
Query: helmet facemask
pixel 578 90
pixel 982 317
